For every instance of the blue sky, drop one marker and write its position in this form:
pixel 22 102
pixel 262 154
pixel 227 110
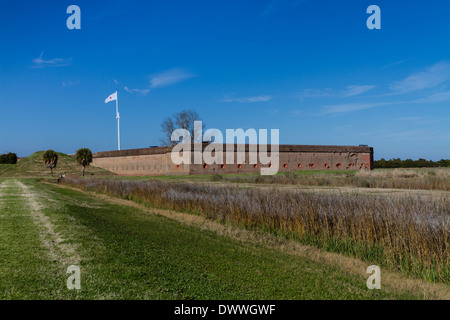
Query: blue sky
pixel 309 68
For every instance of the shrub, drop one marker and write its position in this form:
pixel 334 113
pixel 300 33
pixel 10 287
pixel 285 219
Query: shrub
pixel 10 158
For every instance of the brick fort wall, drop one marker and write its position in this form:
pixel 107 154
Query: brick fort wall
pixel 157 161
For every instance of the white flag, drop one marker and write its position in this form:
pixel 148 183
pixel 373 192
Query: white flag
pixel 111 97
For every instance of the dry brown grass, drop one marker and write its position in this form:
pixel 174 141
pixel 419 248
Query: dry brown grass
pixel 406 234
pixel 413 179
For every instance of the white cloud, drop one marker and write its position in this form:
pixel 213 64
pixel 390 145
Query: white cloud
pixel 40 62
pixel 160 80
pixel 344 108
pixel 356 90
pixel 349 91
pixel 69 83
pixel 430 78
pixel 169 77
pixel 394 63
pixel 437 97
pixel 314 93
pixel 140 91
pixel 248 99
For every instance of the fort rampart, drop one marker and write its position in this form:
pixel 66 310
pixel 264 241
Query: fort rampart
pixel 158 161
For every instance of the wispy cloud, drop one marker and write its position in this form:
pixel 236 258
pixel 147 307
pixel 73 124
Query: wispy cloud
pixel 247 99
pixel 344 108
pixel 356 90
pixel 275 4
pixel 430 78
pixel 394 63
pixel 437 97
pixel 169 77
pixel 418 120
pixel 69 83
pixel 316 93
pixel 40 62
pixel 350 91
pixel 144 92
pixel 161 80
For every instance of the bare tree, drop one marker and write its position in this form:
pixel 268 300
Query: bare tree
pixel 182 120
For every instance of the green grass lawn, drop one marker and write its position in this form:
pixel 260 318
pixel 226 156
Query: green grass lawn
pixel 125 253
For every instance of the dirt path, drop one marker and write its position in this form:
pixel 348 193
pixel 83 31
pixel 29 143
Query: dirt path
pixel 55 244
pixel 394 281
pixel 2 186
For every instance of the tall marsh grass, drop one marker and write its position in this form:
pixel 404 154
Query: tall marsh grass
pixel 417 179
pixel 407 234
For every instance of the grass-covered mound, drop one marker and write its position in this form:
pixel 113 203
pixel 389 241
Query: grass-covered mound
pixel 33 166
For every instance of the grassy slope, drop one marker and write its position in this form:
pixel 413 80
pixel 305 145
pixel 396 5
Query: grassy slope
pixel 33 167
pixel 127 254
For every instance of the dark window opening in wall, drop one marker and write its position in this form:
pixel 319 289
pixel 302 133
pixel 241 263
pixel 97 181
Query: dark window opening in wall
pixel 327 166
pixel 222 166
pixel 255 166
pixel 312 165
pixel 205 166
pixel 363 165
pixel 351 165
pixel 177 166
pixel 339 165
pixel 240 166
pixel 285 166
pixel 300 166
pixel 270 165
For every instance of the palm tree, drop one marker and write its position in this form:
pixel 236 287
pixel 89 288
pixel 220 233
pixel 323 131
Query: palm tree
pixel 84 158
pixel 50 158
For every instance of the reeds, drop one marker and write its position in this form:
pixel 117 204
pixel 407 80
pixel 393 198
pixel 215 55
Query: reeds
pixel 413 179
pixel 408 234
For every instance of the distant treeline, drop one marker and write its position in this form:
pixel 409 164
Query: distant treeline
pixel 408 163
pixel 10 158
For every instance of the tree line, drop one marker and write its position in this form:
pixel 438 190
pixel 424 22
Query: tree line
pixel 409 163
pixel 9 158
pixel 83 157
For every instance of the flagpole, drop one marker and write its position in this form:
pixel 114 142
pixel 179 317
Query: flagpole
pixel 118 120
